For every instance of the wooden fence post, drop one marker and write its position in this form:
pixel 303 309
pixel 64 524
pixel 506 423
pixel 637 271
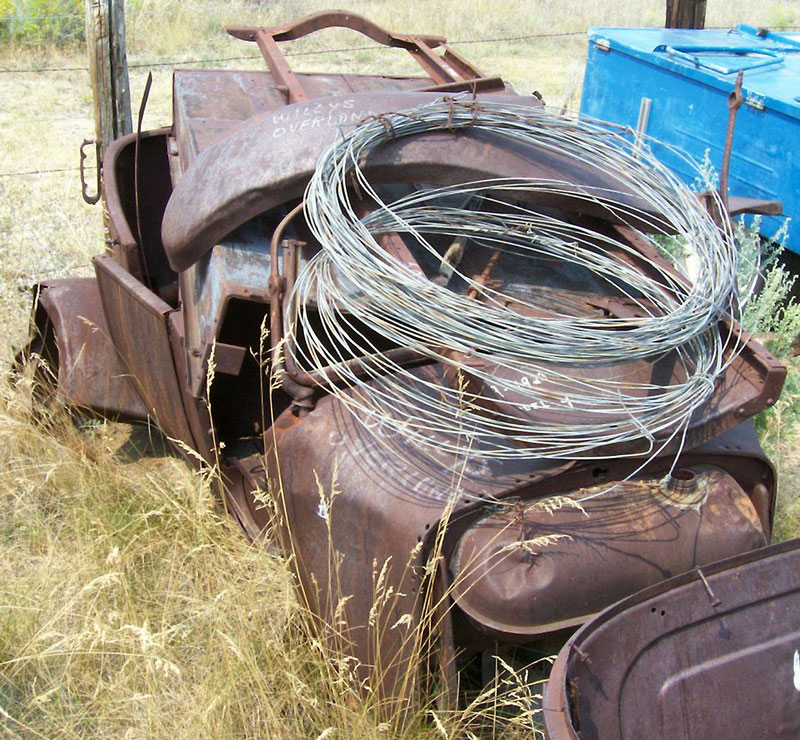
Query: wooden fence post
pixel 686 14
pixel 108 67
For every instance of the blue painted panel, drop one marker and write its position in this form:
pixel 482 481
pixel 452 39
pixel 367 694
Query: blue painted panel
pixel 690 102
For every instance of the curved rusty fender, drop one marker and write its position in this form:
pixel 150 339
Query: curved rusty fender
pixel 269 159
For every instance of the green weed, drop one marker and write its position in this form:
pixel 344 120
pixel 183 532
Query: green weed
pixel 33 22
pixel 781 17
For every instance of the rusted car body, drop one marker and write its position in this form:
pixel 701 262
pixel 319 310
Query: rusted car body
pixel 710 653
pixel 200 257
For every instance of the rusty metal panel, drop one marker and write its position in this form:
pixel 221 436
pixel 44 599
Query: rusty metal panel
pixel 196 409
pixel 525 569
pixel 209 103
pixel 90 374
pixel 710 654
pixel 237 267
pixel 386 506
pixel 141 255
pixel 137 321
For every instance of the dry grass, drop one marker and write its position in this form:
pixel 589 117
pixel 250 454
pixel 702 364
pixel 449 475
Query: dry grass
pixel 130 605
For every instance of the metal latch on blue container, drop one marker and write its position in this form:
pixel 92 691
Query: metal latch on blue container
pixel 711 57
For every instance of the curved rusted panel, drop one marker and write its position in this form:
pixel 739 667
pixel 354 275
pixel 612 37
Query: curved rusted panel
pixel 529 570
pixel 269 159
pixel 142 255
pixel 709 654
pixel 72 334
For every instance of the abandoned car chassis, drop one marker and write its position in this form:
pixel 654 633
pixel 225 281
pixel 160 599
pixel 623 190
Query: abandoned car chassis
pixel 200 262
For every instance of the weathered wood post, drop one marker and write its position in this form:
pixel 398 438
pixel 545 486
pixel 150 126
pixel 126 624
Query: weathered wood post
pixel 685 14
pixel 108 68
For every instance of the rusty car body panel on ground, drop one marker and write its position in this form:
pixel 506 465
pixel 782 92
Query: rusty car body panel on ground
pixel 710 653
pixel 198 268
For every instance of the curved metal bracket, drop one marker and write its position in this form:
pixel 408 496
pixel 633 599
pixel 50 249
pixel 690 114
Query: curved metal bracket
pixel 444 69
pixel 90 199
pixel 335 19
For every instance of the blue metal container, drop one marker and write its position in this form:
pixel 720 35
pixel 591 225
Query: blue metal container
pixel 673 84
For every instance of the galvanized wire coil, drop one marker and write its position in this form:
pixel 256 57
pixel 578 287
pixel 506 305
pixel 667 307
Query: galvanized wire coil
pixel 536 381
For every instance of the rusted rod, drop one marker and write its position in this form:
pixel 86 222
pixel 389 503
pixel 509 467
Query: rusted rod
pixel 735 100
pixel 484 276
pixel 276 283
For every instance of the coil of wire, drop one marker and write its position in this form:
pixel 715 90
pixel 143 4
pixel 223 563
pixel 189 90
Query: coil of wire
pixel 520 383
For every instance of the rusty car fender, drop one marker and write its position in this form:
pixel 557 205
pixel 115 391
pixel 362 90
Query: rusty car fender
pixel 70 336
